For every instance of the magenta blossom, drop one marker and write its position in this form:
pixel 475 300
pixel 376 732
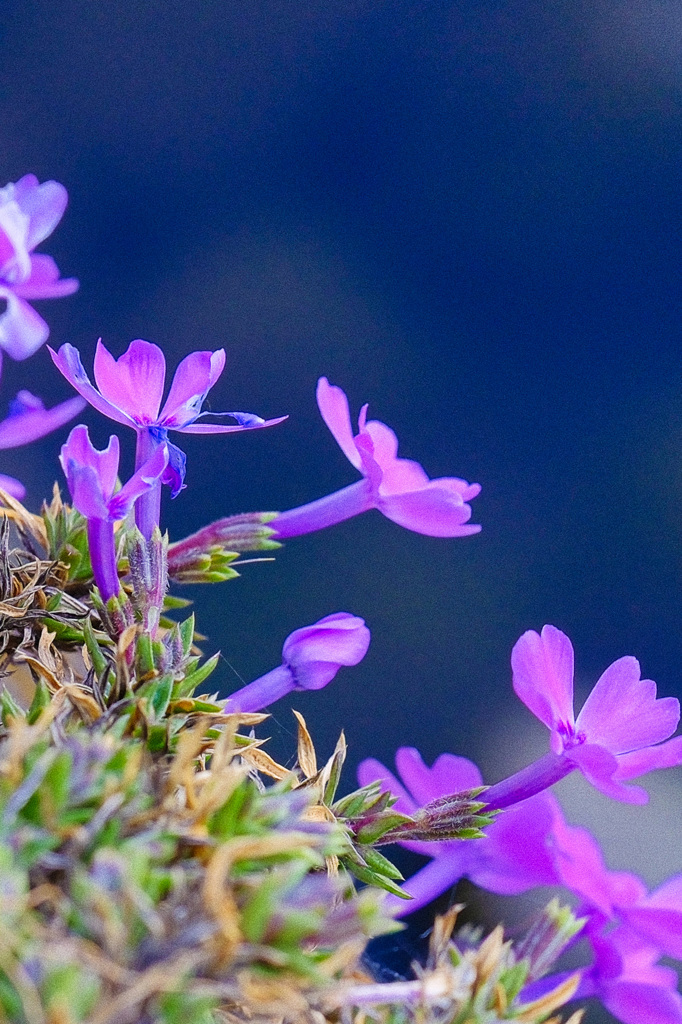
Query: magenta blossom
pixel 29 420
pixel 92 477
pixel 617 736
pixel 399 488
pixel 311 657
pixel 515 855
pixel 130 390
pixel 29 212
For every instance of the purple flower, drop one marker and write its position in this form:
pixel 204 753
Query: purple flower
pixel 130 390
pixel 616 737
pixel 27 421
pixel 311 657
pixel 399 488
pixel 515 855
pixel 92 478
pixel 626 976
pixel 29 212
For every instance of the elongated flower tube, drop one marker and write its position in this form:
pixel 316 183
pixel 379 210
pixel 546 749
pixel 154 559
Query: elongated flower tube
pixel 29 420
pixel 29 212
pixel 399 488
pixel 311 657
pixel 92 477
pixel 616 737
pixel 130 389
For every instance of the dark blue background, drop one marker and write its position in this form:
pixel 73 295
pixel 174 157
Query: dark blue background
pixel 466 213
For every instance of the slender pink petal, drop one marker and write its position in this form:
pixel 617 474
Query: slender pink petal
pixel 433 879
pixel 371 770
pixel 435 511
pixel 140 483
pixel 22 330
pixel 195 375
pixel 78 451
pixel 599 768
pixel 622 713
pixel 86 491
pixel 333 406
pixel 43 203
pixel 634 1002
pixel 219 428
pixel 385 445
pixel 542 666
pixel 25 427
pixel 68 362
pixel 134 382
pixel 449 774
pixel 12 486
pixel 43 282
pixel 516 853
pixel 15 262
pixel 639 762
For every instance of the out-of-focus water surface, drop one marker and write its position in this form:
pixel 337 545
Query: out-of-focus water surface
pixel 468 215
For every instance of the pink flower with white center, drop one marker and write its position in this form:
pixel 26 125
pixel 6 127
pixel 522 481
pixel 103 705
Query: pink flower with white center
pixel 29 212
pixel 399 488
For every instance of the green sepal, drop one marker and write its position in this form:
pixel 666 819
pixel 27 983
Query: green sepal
pixel 378 880
pixel 379 826
pixel 377 862
pixel 185 687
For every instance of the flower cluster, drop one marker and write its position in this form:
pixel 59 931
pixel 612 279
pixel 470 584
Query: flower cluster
pixel 150 873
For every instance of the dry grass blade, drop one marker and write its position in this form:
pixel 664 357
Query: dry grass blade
pixel 307 758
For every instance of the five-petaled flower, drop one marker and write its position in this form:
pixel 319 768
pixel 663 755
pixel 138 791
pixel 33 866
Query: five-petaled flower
pixel 130 390
pixel 29 212
pixel 311 657
pixel 397 487
pixel 92 476
pixel 617 736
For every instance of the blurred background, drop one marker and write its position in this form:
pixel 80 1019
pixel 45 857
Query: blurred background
pixel 467 214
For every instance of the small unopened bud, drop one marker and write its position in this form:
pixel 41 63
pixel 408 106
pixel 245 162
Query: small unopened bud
pixel 148 569
pixel 205 556
pixel 455 816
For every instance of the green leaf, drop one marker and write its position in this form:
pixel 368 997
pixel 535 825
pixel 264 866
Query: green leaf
pixel 41 699
pixel 379 881
pixel 196 678
pixel 99 662
pixel 186 629
pixel 160 696
pixel 9 707
pixel 377 862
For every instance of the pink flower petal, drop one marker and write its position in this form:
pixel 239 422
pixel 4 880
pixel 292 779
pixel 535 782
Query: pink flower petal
pixel 68 362
pixel 43 203
pixel 195 376
pixel 220 428
pixel 542 666
pixel 435 511
pixel 134 382
pixel 22 330
pixel 599 768
pixel 28 426
pixel 43 282
pixel 639 762
pixel 12 486
pixel 448 774
pixel 370 770
pixel 333 406
pixel 622 713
